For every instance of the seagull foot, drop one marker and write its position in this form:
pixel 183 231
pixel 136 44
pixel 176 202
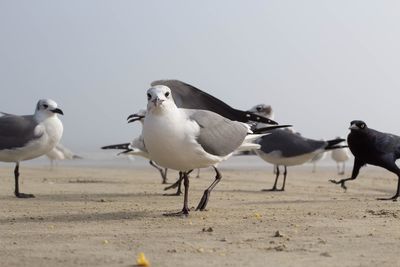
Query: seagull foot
pixel 393 198
pixel 172 186
pixel 272 190
pixel 183 213
pixel 178 193
pixel 22 195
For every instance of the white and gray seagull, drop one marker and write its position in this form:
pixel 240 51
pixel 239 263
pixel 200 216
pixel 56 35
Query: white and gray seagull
pixel 30 136
pixel 186 139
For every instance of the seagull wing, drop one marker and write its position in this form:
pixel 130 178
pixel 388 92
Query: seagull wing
pixel 16 131
pixel 189 97
pixel 218 135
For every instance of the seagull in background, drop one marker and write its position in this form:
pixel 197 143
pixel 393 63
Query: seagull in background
pixel 187 139
pixel 60 152
pixel 30 136
pixel 370 146
pixel 285 147
pixel 137 147
pixel 341 155
pixel 317 158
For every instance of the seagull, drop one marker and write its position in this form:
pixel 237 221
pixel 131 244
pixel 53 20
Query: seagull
pixel 285 147
pixel 186 139
pixel 370 146
pixel 60 152
pixel 341 155
pixel 30 136
pixel 137 147
pixel 317 158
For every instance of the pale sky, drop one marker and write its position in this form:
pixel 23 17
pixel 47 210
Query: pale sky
pixel 320 64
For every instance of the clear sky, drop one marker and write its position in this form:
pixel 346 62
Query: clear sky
pixel 320 64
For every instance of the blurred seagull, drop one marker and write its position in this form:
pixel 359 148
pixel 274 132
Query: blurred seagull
pixel 317 158
pixel 372 147
pixel 341 155
pixel 186 139
pixel 60 152
pixel 30 136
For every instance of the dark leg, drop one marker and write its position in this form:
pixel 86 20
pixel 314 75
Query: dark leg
pixel 396 170
pixel 178 184
pixel 204 200
pixel 185 209
pixel 284 179
pixel 276 168
pixel 16 192
pixel 161 170
pixel 356 169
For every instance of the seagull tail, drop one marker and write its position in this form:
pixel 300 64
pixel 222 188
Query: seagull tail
pixel 332 144
pixel 249 142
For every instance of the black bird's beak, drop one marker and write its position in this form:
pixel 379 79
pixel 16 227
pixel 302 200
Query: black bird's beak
pixel 57 110
pixel 134 117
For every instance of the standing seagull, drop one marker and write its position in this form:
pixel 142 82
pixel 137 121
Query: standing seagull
pixel 186 139
pixel 286 148
pixel 372 147
pixel 341 155
pixel 30 136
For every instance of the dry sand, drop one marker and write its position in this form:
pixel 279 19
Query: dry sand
pixel 86 216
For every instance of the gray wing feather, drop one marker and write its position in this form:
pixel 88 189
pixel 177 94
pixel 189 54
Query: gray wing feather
pixel 289 144
pixel 16 131
pixel 218 135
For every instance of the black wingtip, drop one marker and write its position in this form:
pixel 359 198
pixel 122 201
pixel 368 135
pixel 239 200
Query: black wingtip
pixel 117 146
pixel 257 118
pixel 269 128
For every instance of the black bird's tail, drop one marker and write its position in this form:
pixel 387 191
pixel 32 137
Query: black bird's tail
pixel 117 146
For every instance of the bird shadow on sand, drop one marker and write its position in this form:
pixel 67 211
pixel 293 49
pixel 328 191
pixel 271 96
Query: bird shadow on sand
pixel 83 197
pixel 85 217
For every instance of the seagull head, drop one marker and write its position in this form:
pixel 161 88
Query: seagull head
pixel 159 98
pixel 47 108
pixel 358 125
pixel 263 110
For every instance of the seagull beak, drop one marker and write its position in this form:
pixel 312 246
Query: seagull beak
pixel 57 110
pixel 157 101
pixel 134 117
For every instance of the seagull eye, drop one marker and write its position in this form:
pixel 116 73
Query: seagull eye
pixel 148 96
pixel 166 94
pixel 258 108
pixel 45 106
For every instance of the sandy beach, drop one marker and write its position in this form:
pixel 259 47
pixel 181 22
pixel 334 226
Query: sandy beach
pixel 98 216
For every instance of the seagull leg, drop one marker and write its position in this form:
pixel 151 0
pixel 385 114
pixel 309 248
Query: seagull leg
pixel 204 200
pixel 198 173
pixel 178 184
pixel 276 168
pixel 185 210
pixel 162 171
pixel 284 179
pixel 356 169
pixel 16 192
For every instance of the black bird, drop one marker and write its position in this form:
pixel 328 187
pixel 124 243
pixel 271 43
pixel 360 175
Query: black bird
pixel 372 147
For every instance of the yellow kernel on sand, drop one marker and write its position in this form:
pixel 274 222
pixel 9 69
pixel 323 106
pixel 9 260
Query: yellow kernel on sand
pixel 142 261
